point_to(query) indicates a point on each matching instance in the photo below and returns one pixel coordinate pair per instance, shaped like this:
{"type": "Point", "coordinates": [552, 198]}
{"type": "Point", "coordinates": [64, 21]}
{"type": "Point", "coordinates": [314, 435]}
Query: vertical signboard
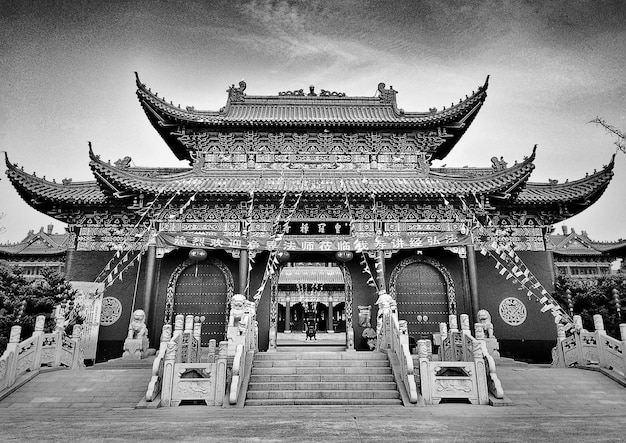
{"type": "Point", "coordinates": [89, 296]}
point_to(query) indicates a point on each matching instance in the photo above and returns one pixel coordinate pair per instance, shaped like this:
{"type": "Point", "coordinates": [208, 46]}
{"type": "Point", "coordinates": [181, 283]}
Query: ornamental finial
{"type": "Point", "coordinates": [236, 94]}
{"type": "Point", "coordinates": [387, 95]}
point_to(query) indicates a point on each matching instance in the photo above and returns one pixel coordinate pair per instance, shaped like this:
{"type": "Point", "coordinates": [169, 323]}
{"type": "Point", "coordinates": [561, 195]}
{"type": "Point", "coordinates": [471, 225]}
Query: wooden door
{"type": "Point", "coordinates": [422, 298]}
{"type": "Point", "coordinates": [201, 290]}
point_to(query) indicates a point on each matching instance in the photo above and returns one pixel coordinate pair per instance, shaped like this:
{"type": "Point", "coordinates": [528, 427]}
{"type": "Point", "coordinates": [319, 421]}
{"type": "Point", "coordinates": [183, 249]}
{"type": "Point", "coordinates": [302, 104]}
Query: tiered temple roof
{"type": "Point", "coordinates": [407, 176]}
{"type": "Point", "coordinates": [300, 110]}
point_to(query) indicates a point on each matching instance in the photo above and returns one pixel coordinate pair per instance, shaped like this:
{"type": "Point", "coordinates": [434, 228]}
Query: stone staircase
{"type": "Point", "coordinates": [111, 385]}
{"type": "Point", "coordinates": [321, 377]}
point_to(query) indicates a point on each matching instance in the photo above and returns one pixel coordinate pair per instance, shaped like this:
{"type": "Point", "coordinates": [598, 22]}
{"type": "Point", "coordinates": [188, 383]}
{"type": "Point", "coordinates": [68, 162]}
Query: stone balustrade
{"type": "Point", "coordinates": [54, 349]}
{"type": "Point", "coordinates": [583, 347]}
{"type": "Point", "coordinates": [243, 342]}
{"type": "Point", "coordinates": [393, 337]}
{"type": "Point", "coordinates": [180, 374]}
{"type": "Point", "coordinates": [465, 369]}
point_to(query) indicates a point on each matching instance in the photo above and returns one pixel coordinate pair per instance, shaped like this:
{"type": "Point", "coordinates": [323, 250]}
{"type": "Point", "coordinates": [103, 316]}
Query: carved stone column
{"type": "Point", "coordinates": [148, 297]}
{"type": "Point", "coordinates": [473, 281]}
{"type": "Point", "coordinates": [380, 270]}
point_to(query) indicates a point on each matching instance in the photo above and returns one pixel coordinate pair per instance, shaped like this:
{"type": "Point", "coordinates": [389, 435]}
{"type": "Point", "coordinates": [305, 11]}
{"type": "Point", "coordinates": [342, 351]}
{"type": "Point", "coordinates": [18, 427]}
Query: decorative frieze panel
{"type": "Point", "coordinates": [523, 238]}
{"type": "Point", "coordinates": [110, 238]}
{"type": "Point", "coordinates": [316, 150]}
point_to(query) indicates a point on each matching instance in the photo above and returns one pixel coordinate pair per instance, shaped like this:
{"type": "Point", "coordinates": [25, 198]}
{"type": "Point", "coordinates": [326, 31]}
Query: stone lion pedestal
{"type": "Point", "coordinates": [136, 344]}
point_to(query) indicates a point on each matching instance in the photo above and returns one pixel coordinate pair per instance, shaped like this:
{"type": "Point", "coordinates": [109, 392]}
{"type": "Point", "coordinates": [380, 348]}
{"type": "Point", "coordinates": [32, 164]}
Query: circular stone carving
{"type": "Point", "coordinates": [111, 311]}
{"type": "Point", "coordinates": [512, 311]}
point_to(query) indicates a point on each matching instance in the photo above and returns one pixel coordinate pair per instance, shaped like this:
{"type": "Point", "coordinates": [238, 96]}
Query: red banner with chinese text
{"type": "Point", "coordinates": [343, 243]}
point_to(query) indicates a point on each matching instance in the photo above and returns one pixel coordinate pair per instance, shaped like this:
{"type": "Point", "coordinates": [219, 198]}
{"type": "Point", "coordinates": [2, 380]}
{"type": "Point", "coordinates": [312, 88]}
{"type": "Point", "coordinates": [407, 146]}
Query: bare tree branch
{"type": "Point", "coordinates": [613, 131]}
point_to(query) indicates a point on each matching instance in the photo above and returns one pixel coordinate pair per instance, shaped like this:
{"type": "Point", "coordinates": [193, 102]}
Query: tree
{"type": "Point", "coordinates": [620, 137]}
{"type": "Point", "coordinates": [596, 296]}
{"type": "Point", "coordinates": [21, 300]}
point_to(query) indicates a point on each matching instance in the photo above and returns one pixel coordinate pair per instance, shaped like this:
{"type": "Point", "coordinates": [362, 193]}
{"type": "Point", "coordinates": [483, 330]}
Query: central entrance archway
{"type": "Point", "coordinates": [201, 289]}
{"type": "Point", "coordinates": [425, 295]}
{"type": "Point", "coordinates": [311, 302]}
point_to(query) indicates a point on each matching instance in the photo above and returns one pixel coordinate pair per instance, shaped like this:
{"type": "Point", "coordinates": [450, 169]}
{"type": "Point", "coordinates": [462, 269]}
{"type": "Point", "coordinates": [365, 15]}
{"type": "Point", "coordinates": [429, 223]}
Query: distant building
{"type": "Point", "coordinates": [577, 256]}
{"type": "Point", "coordinates": [38, 251]}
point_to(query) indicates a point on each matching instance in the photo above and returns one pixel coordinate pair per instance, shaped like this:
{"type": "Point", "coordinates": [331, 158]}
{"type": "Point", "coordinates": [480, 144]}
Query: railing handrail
{"type": "Point", "coordinates": [240, 360]}
{"type": "Point", "coordinates": [399, 345]}
{"type": "Point", "coordinates": [26, 355]}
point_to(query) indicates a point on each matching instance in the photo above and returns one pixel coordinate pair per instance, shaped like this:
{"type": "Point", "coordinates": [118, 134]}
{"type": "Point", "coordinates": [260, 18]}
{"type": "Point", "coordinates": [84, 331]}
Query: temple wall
{"type": "Point", "coordinates": [165, 268]}
{"type": "Point", "coordinates": [534, 338]}
{"type": "Point", "coordinates": [85, 266]}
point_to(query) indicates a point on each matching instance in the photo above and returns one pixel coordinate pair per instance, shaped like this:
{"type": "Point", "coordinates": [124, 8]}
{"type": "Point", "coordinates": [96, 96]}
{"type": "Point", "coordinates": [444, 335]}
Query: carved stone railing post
{"type": "Point", "coordinates": [188, 324]}
{"type": "Point", "coordinates": [39, 324]}
{"type": "Point", "coordinates": [452, 321]}
{"type": "Point", "coordinates": [77, 358]}
{"type": "Point", "coordinates": [600, 333]}
{"type": "Point", "coordinates": [168, 372]}
{"type": "Point", "coordinates": [59, 319]}
{"type": "Point", "coordinates": [11, 352]}
{"type": "Point", "coordinates": [598, 324]}
{"type": "Point", "coordinates": [211, 358]}
{"type": "Point", "coordinates": [422, 356]}
{"type": "Point", "coordinates": [220, 379]}
{"type": "Point", "coordinates": [197, 327]}
{"type": "Point", "coordinates": [465, 324]}
{"type": "Point", "coordinates": [481, 373]}
{"type": "Point", "coordinates": [179, 324]}
{"type": "Point", "coordinates": [578, 329]}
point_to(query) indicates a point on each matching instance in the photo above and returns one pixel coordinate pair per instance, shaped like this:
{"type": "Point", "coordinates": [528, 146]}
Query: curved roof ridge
{"type": "Point", "coordinates": [606, 169]}
{"type": "Point", "coordinates": [584, 191]}
{"type": "Point", "coordinates": [254, 105]}
{"type": "Point", "coordinates": [29, 186]}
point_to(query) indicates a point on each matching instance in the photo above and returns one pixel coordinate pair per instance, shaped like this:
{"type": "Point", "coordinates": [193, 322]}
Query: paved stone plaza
{"type": "Point", "coordinates": [545, 405]}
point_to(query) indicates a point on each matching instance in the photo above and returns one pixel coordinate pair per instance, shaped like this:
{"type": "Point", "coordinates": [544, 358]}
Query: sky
{"type": "Point", "coordinates": [66, 70]}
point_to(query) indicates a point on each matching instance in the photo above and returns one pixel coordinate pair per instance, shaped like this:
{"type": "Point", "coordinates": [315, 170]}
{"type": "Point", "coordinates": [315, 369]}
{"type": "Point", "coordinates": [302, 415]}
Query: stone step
{"type": "Point", "coordinates": [324, 402]}
{"type": "Point", "coordinates": [322, 394]}
{"type": "Point", "coordinates": [319, 386]}
{"type": "Point", "coordinates": [310, 348]}
{"type": "Point", "coordinates": [317, 370]}
{"type": "Point", "coordinates": [320, 356]}
{"type": "Point", "coordinates": [331, 378]}
{"type": "Point", "coordinates": [319, 363]}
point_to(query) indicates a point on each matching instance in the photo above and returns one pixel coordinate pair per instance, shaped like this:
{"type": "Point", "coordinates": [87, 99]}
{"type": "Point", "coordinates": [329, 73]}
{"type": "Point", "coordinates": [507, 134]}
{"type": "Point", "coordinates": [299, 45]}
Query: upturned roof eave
{"type": "Point", "coordinates": [165, 116]}
{"type": "Point", "coordinates": [119, 179]}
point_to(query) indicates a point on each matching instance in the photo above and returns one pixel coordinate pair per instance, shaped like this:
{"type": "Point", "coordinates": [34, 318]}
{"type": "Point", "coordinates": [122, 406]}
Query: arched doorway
{"type": "Point", "coordinates": [425, 295]}
{"type": "Point", "coordinates": [306, 294]}
{"type": "Point", "coordinates": [202, 289]}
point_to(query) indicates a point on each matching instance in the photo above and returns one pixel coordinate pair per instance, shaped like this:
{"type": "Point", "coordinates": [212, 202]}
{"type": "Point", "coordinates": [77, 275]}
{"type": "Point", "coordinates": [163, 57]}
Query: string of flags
{"type": "Point", "coordinates": [512, 268]}
{"type": "Point", "coordinates": [371, 280]}
{"type": "Point", "coordinates": [133, 254]}
{"type": "Point", "coordinates": [272, 260]}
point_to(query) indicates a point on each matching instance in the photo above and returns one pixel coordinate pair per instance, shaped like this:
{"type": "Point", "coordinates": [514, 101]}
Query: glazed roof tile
{"type": "Point", "coordinates": [31, 188]}
{"type": "Point", "coordinates": [40, 243]}
{"type": "Point", "coordinates": [433, 184]}
{"type": "Point", "coordinates": [583, 190]}
{"type": "Point", "coordinates": [289, 110]}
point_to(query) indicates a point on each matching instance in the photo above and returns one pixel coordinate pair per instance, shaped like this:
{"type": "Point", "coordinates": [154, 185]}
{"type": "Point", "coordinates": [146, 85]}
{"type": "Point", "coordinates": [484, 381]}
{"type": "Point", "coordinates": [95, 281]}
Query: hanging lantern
{"type": "Point", "coordinates": [197, 255]}
{"type": "Point", "coordinates": [344, 256]}
{"type": "Point", "coordinates": [283, 256]}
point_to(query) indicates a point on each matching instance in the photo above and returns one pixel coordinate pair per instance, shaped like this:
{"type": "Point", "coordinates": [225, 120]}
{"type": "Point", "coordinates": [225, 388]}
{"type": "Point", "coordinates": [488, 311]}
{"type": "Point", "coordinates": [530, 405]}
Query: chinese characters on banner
{"type": "Point", "coordinates": [331, 243]}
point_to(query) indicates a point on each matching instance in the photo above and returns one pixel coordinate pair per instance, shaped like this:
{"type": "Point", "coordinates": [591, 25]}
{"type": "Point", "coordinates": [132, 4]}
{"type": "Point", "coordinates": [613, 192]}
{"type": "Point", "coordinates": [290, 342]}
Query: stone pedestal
{"type": "Point", "coordinates": [135, 348]}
